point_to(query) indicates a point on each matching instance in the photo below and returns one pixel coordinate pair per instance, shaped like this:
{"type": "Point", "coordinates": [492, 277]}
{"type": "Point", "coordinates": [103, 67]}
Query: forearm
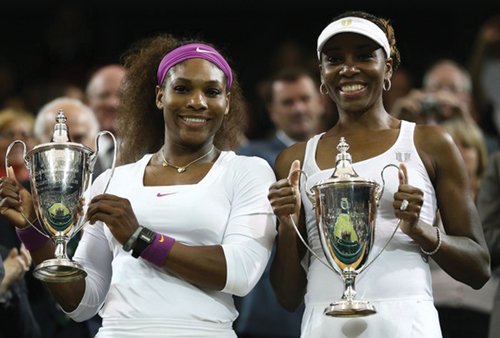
{"type": "Point", "coordinates": [461, 257]}
{"type": "Point", "coordinates": [204, 266]}
{"type": "Point", "coordinates": [288, 277]}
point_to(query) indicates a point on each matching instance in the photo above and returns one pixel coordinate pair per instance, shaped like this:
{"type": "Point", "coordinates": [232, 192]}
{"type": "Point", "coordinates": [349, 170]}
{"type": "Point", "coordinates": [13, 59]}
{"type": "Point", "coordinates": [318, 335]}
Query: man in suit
{"type": "Point", "coordinates": [488, 206]}
{"type": "Point", "coordinates": [295, 107]}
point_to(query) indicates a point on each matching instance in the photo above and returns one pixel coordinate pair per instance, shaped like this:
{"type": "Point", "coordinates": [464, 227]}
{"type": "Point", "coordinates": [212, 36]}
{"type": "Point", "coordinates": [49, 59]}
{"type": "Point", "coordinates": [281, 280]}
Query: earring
{"type": "Point", "coordinates": [388, 86]}
{"type": "Point", "coordinates": [321, 86]}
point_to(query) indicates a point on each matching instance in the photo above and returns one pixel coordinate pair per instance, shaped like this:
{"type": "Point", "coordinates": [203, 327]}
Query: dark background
{"type": "Point", "coordinates": [43, 43]}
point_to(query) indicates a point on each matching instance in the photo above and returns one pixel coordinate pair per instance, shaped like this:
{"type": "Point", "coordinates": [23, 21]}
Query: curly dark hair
{"type": "Point", "coordinates": [385, 25]}
{"type": "Point", "coordinates": [141, 123]}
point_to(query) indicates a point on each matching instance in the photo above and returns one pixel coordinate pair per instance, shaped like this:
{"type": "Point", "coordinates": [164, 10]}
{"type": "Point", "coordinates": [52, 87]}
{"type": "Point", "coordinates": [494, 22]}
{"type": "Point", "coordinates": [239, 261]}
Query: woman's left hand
{"type": "Point", "coordinates": [408, 201]}
{"type": "Point", "coordinates": [116, 212]}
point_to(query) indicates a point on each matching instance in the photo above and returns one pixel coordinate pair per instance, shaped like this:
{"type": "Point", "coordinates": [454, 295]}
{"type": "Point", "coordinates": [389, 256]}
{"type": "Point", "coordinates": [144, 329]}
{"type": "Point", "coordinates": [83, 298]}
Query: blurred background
{"type": "Point", "coordinates": [46, 46]}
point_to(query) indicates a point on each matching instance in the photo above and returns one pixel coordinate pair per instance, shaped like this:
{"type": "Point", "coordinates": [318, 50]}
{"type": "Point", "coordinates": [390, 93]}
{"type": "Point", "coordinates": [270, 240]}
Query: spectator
{"type": "Point", "coordinates": [103, 97]}
{"type": "Point", "coordinates": [16, 316]}
{"type": "Point", "coordinates": [446, 92]}
{"type": "Point", "coordinates": [295, 107]}
{"type": "Point", "coordinates": [15, 124]}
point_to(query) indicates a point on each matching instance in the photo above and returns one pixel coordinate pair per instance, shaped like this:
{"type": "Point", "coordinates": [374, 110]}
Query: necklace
{"type": "Point", "coordinates": [183, 168]}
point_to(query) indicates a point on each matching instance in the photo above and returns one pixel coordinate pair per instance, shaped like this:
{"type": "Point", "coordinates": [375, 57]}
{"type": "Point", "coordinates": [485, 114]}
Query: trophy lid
{"type": "Point", "coordinates": [61, 132]}
{"type": "Point", "coordinates": [343, 168]}
{"type": "Point", "coordinates": [60, 138]}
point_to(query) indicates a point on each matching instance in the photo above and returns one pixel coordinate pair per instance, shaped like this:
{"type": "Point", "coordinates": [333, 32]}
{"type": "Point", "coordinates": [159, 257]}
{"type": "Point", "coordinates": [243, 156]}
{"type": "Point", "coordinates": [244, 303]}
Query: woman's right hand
{"type": "Point", "coordinates": [15, 200]}
{"type": "Point", "coordinates": [284, 195]}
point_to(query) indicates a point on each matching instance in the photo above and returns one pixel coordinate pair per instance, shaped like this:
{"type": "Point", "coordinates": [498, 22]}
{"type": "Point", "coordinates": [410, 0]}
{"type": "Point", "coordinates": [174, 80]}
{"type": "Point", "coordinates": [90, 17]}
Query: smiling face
{"type": "Point", "coordinates": [194, 101]}
{"type": "Point", "coordinates": [353, 68]}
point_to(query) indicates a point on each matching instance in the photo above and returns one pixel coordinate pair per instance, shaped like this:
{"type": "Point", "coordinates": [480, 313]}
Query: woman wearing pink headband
{"type": "Point", "coordinates": [185, 223]}
{"type": "Point", "coordinates": [357, 55]}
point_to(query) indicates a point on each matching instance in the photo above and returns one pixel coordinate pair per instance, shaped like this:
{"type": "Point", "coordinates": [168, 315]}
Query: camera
{"type": "Point", "coordinates": [429, 106]}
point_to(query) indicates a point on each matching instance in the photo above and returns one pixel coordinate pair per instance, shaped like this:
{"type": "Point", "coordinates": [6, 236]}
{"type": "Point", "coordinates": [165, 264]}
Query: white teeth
{"type": "Point", "coordinates": [194, 120]}
{"type": "Point", "coordinates": [352, 88]}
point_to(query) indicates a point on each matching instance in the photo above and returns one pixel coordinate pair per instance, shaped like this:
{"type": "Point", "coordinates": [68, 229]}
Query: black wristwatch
{"type": "Point", "coordinates": [145, 238]}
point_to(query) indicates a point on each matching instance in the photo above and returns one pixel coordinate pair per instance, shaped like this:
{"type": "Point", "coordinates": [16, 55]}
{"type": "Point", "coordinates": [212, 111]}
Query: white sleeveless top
{"type": "Point", "coordinates": [400, 277]}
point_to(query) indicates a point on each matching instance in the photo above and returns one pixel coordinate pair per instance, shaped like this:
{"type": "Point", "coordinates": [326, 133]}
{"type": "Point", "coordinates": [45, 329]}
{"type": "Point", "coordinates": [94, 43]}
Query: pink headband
{"type": "Point", "coordinates": [193, 51]}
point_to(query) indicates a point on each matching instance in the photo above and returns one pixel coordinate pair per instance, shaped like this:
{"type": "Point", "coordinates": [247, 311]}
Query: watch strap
{"type": "Point", "coordinates": [145, 238]}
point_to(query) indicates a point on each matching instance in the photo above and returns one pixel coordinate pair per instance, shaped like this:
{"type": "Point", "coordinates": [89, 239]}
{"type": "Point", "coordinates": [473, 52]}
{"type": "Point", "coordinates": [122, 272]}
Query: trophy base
{"type": "Point", "coordinates": [353, 308]}
{"type": "Point", "coordinates": [59, 270]}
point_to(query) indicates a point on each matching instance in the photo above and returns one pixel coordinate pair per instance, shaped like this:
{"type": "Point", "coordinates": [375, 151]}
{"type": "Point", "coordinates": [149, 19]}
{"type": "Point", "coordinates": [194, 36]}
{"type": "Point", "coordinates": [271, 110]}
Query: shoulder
{"type": "Point", "coordinates": [437, 149]}
{"type": "Point", "coordinates": [245, 164]}
{"type": "Point", "coordinates": [242, 173]}
{"type": "Point", "coordinates": [432, 134]}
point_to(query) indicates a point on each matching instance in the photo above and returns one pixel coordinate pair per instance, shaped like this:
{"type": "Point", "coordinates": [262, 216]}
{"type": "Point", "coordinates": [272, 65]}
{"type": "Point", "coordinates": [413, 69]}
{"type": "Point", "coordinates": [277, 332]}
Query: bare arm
{"type": "Point", "coordinates": [463, 253]}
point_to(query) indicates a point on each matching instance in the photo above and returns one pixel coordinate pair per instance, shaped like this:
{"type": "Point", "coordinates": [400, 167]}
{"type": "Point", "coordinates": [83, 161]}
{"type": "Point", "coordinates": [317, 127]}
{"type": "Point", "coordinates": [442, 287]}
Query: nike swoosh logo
{"type": "Point", "coordinates": [163, 195]}
{"type": "Point", "coordinates": [198, 49]}
{"type": "Point", "coordinates": [161, 239]}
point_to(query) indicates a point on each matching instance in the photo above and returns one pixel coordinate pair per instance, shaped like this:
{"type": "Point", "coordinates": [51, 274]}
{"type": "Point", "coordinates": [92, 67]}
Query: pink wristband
{"type": "Point", "coordinates": [158, 251]}
{"type": "Point", "coordinates": [32, 239]}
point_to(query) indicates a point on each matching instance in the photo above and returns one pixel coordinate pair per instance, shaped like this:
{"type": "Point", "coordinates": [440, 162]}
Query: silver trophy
{"type": "Point", "coordinates": [60, 173]}
{"type": "Point", "coordinates": [346, 210]}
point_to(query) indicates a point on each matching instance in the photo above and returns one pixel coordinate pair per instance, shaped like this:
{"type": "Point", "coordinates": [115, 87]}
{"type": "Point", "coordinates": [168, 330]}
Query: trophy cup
{"type": "Point", "coordinates": [60, 173]}
{"type": "Point", "coordinates": [346, 209]}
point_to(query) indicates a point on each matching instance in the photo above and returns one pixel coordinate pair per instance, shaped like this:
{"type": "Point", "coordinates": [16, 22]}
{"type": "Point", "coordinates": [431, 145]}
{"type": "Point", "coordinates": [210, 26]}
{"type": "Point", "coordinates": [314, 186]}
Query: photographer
{"type": "Point", "coordinates": [446, 93]}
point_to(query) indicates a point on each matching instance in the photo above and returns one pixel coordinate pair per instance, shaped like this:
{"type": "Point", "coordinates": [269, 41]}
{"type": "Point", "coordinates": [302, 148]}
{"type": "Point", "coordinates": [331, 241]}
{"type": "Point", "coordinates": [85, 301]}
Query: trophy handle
{"type": "Point", "coordinates": [381, 191]}
{"type": "Point", "coordinates": [311, 197]}
{"type": "Point", "coordinates": [27, 164]}
{"type": "Point", "coordinates": [379, 195]}
{"type": "Point", "coordinates": [93, 158]}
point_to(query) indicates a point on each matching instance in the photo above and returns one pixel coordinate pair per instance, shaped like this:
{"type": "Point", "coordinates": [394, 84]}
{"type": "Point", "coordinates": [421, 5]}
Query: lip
{"type": "Point", "coordinates": [355, 92]}
{"type": "Point", "coordinates": [195, 121]}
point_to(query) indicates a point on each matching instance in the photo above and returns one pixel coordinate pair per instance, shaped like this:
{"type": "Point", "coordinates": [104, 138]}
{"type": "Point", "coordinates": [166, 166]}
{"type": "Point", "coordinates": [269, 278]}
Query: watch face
{"type": "Point", "coordinates": [147, 237]}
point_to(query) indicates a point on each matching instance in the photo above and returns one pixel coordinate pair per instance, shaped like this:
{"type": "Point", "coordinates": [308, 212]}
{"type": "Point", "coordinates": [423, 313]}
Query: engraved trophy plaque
{"type": "Point", "coordinates": [346, 209]}
{"type": "Point", "coordinates": [60, 173]}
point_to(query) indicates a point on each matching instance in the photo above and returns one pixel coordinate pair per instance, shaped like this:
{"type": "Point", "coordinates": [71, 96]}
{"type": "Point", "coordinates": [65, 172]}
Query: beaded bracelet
{"type": "Point", "coordinates": [158, 251]}
{"type": "Point", "coordinates": [31, 238]}
{"type": "Point", "coordinates": [437, 247]}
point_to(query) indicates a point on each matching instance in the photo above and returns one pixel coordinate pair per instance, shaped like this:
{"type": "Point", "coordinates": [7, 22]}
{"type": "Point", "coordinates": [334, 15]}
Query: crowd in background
{"type": "Point", "coordinates": [461, 95]}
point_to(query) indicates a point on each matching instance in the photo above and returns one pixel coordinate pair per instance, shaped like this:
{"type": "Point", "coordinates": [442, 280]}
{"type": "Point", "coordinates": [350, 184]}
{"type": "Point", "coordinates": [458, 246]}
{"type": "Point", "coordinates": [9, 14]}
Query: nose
{"type": "Point", "coordinates": [299, 106]}
{"type": "Point", "coordinates": [197, 101]}
{"type": "Point", "coordinates": [348, 69]}
{"type": "Point", "coordinates": [114, 101]}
